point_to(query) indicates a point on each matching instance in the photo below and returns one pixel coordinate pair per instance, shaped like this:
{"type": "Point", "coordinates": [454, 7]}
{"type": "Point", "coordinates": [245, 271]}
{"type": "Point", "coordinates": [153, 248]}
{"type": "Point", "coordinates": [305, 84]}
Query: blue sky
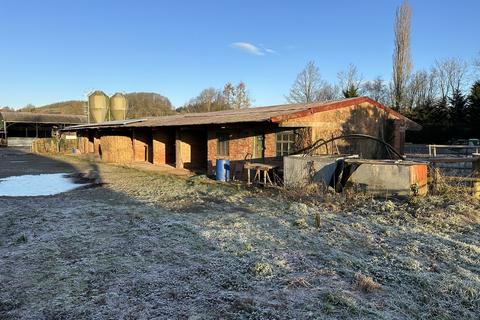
{"type": "Point", "coordinates": [59, 50]}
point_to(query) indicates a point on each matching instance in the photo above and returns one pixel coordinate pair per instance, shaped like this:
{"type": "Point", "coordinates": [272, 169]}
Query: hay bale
{"type": "Point", "coordinates": [83, 144]}
{"type": "Point", "coordinates": [117, 149]}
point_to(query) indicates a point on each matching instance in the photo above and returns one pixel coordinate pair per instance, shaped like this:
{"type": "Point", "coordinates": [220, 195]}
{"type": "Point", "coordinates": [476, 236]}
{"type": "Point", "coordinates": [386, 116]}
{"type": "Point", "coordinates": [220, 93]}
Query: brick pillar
{"type": "Point", "coordinates": [160, 140]}
{"type": "Point", "coordinates": [178, 150]}
{"type": "Point", "coordinates": [399, 136]}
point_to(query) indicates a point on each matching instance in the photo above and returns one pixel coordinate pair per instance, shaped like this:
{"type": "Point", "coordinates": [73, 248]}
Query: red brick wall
{"type": "Point", "coordinates": [241, 146]}
{"type": "Point", "coordinates": [398, 136]}
{"type": "Point", "coordinates": [194, 149]}
{"type": "Point", "coordinates": [363, 118]}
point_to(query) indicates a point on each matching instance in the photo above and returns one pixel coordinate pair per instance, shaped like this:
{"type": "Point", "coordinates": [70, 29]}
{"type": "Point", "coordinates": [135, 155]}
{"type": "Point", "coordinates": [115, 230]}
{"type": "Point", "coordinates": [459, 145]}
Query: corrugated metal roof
{"type": "Point", "coordinates": [30, 117]}
{"type": "Point", "coordinates": [108, 123]}
{"type": "Point", "coordinates": [276, 113]}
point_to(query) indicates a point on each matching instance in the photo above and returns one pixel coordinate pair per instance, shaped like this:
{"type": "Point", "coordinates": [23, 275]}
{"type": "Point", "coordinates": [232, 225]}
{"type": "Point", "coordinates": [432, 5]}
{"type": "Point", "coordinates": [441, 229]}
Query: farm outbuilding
{"type": "Point", "coordinates": [19, 128]}
{"type": "Point", "coordinates": [262, 134]}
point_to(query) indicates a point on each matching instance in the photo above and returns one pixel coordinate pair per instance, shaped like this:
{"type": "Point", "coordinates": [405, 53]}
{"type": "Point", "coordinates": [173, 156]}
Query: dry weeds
{"type": "Point", "coordinates": [365, 283]}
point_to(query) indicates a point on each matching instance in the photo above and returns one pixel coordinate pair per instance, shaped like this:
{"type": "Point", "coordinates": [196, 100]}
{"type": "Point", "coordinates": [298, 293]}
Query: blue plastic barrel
{"type": "Point", "coordinates": [222, 170]}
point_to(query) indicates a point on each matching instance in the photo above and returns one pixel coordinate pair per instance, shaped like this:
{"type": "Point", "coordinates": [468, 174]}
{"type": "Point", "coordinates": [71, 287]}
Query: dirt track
{"type": "Point", "coordinates": [147, 245]}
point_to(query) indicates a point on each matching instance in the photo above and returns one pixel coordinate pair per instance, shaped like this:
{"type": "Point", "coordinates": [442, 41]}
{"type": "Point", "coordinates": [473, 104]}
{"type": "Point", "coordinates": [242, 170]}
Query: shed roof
{"type": "Point", "coordinates": [276, 114]}
{"type": "Point", "coordinates": [30, 117]}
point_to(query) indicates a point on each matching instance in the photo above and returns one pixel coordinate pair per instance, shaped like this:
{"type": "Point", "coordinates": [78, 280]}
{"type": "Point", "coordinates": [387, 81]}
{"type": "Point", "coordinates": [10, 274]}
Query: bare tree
{"type": "Point", "coordinates": [476, 63]}
{"type": "Point", "coordinates": [417, 89]}
{"type": "Point", "coordinates": [350, 81]}
{"type": "Point", "coordinates": [209, 99]}
{"type": "Point", "coordinates": [237, 96]}
{"type": "Point", "coordinates": [450, 75]}
{"type": "Point", "coordinates": [376, 89]}
{"type": "Point", "coordinates": [306, 86]}
{"type": "Point", "coordinates": [402, 61]}
{"type": "Point", "coordinates": [327, 92]}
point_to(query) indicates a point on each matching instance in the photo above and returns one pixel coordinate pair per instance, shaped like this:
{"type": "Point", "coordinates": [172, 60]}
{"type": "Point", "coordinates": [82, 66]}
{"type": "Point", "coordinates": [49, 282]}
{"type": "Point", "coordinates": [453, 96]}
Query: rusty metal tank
{"type": "Point", "coordinates": [118, 106]}
{"type": "Point", "coordinates": [98, 103]}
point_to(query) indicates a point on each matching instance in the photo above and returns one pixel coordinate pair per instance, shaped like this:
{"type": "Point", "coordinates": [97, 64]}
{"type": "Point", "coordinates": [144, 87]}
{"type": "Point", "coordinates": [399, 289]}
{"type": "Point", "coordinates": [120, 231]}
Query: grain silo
{"type": "Point", "coordinates": [118, 106]}
{"type": "Point", "coordinates": [98, 103]}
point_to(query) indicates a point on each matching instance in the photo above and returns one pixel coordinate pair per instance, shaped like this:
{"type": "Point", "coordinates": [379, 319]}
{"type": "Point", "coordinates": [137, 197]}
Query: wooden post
{"type": "Point", "coordinates": [476, 175]}
{"type": "Point", "coordinates": [178, 150]}
{"type": "Point", "coordinates": [133, 144]}
{"type": "Point", "coordinates": [436, 180]}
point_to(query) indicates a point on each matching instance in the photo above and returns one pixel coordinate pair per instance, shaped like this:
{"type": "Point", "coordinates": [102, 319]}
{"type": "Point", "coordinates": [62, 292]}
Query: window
{"type": "Point", "coordinates": [259, 146]}
{"type": "Point", "coordinates": [285, 143]}
{"type": "Point", "coordinates": [223, 148]}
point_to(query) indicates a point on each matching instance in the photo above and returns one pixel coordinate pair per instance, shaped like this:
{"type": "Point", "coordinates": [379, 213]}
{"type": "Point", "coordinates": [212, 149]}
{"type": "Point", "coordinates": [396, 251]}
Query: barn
{"type": "Point", "coordinates": [19, 128]}
{"type": "Point", "coordinates": [263, 134]}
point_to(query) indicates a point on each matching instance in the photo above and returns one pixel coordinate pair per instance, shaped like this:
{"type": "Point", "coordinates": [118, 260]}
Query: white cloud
{"type": "Point", "coordinates": [250, 48]}
{"type": "Point", "coordinates": [247, 47]}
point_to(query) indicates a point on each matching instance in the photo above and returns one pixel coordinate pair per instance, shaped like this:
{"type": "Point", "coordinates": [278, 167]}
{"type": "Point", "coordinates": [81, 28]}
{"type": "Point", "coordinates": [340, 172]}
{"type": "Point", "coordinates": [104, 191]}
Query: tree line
{"type": "Point", "coordinates": [212, 99]}
{"type": "Point", "coordinates": [149, 104]}
{"type": "Point", "coordinates": [444, 98]}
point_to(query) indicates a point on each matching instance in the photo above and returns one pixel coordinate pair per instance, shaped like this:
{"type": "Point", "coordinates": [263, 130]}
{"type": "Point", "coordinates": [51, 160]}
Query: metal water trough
{"type": "Point", "coordinates": [300, 170]}
{"type": "Point", "coordinates": [388, 177]}
{"type": "Point", "coordinates": [393, 177]}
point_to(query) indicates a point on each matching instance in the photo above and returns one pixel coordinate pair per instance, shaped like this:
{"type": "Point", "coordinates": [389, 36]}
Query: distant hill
{"type": "Point", "coordinates": [148, 104]}
{"type": "Point", "coordinates": [141, 104]}
{"type": "Point", "coordinates": [64, 107]}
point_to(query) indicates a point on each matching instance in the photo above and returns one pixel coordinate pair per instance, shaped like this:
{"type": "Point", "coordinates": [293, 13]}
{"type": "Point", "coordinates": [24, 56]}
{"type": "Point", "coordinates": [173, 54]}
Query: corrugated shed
{"type": "Point", "coordinates": [30, 117]}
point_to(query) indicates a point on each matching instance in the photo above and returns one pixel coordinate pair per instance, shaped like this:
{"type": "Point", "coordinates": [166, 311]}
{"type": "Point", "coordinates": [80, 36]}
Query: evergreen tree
{"type": "Point", "coordinates": [473, 111]}
{"type": "Point", "coordinates": [351, 91]}
{"type": "Point", "coordinates": [440, 114]}
{"type": "Point", "coordinates": [458, 107]}
{"type": "Point", "coordinates": [424, 112]}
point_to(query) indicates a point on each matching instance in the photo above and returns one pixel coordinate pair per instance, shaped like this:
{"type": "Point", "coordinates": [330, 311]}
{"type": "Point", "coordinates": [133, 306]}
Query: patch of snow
{"type": "Point", "coordinates": [36, 185]}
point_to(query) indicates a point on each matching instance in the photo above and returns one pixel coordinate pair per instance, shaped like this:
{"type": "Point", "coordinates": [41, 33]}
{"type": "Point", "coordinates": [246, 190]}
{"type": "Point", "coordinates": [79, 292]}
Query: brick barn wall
{"type": "Point", "coordinates": [241, 146]}
{"type": "Point", "coordinates": [194, 148]}
{"type": "Point", "coordinates": [363, 118]}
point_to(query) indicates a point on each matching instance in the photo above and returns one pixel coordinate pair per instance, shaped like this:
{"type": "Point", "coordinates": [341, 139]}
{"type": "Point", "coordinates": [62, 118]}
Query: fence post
{"type": "Point", "coordinates": [476, 176]}
{"type": "Point", "coordinates": [436, 179]}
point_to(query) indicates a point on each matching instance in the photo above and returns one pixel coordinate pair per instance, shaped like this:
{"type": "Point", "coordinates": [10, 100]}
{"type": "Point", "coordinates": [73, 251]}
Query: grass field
{"type": "Point", "coordinates": [146, 245]}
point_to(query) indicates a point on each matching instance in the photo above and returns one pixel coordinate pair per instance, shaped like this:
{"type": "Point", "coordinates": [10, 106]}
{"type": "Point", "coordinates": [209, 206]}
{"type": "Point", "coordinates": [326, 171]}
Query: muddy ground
{"type": "Point", "coordinates": [147, 245]}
